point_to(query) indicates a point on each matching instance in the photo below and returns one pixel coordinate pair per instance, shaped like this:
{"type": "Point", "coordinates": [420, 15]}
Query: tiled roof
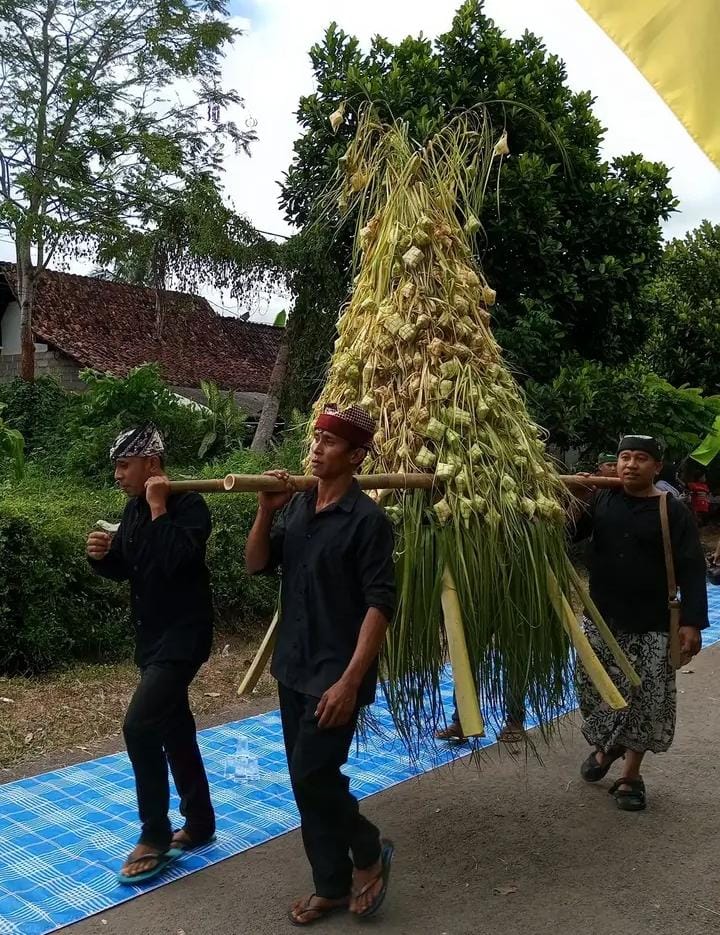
{"type": "Point", "coordinates": [110, 327]}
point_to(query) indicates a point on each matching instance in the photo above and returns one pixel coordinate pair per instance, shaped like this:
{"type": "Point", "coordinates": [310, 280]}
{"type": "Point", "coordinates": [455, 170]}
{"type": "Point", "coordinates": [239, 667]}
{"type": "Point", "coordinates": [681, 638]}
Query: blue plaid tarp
{"type": "Point", "coordinates": [64, 834]}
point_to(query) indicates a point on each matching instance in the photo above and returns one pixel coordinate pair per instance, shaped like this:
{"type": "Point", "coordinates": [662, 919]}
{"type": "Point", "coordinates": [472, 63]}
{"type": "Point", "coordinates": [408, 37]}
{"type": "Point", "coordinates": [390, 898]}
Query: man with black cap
{"type": "Point", "coordinates": [606, 465]}
{"type": "Point", "coordinates": [159, 548]}
{"type": "Point", "coordinates": [335, 546]}
{"type": "Point", "coordinates": [630, 584]}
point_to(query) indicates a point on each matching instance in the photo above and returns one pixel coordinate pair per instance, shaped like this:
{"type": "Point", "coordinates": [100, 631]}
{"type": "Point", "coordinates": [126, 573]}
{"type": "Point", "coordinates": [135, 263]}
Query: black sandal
{"type": "Point", "coordinates": [632, 799]}
{"type": "Point", "coordinates": [591, 771]}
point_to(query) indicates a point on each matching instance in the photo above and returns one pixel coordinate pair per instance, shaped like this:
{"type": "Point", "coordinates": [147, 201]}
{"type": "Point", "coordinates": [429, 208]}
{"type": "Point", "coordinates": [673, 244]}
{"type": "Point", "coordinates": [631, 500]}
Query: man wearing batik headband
{"type": "Point", "coordinates": [160, 549]}
{"type": "Point", "coordinates": [335, 546]}
{"type": "Point", "coordinates": [629, 584]}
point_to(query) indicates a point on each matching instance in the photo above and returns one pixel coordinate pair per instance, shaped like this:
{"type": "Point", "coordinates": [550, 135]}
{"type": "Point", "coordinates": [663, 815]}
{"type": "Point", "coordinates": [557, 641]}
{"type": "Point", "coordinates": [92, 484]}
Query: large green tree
{"type": "Point", "coordinates": [105, 108]}
{"type": "Point", "coordinates": [573, 239]}
{"type": "Point", "coordinates": [685, 296]}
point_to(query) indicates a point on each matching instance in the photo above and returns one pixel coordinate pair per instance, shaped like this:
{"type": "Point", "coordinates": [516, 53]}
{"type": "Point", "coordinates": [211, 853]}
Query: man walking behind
{"type": "Point", "coordinates": [160, 549]}
{"type": "Point", "coordinates": [335, 546]}
{"type": "Point", "coordinates": [629, 584]}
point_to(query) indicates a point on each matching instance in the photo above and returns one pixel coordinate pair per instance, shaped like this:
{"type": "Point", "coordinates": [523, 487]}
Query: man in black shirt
{"type": "Point", "coordinates": [628, 582]}
{"type": "Point", "coordinates": [335, 546]}
{"type": "Point", "coordinates": [160, 549]}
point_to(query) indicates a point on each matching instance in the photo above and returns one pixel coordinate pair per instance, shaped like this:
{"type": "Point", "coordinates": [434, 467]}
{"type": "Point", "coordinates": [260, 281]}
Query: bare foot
{"type": "Point", "coordinates": [186, 842]}
{"type": "Point", "coordinates": [309, 909]}
{"type": "Point", "coordinates": [366, 886]}
{"type": "Point", "coordinates": [133, 866]}
{"type": "Point", "coordinates": [181, 839]}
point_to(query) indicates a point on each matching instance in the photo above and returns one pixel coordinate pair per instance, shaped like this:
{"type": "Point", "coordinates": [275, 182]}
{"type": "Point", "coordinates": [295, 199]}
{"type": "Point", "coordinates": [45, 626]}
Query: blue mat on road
{"type": "Point", "coordinates": [64, 834]}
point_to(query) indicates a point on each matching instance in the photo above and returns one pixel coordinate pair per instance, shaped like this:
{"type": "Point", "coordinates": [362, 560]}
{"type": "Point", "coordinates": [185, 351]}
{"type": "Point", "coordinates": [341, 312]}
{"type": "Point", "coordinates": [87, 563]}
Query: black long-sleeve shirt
{"type": "Point", "coordinates": [164, 561]}
{"type": "Point", "coordinates": [336, 564]}
{"type": "Point", "coordinates": [626, 558]}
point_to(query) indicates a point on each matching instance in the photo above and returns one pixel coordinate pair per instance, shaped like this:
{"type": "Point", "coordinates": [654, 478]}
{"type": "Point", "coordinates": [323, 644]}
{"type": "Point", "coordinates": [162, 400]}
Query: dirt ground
{"type": "Point", "coordinates": [515, 849]}
{"type": "Point", "coordinates": [77, 714]}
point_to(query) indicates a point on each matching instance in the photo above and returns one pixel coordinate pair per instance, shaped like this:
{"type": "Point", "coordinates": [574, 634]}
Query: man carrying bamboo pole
{"type": "Point", "coordinates": [335, 546]}
{"type": "Point", "coordinates": [160, 549]}
{"type": "Point", "coordinates": [631, 583]}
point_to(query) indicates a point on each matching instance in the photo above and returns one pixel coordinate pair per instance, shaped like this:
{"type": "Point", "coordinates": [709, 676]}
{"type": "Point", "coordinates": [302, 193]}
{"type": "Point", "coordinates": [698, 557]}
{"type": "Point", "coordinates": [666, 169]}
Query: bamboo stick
{"type": "Point", "coordinates": [257, 666]}
{"type": "Point", "coordinates": [603, 629]}
{"type": "Point", "coordinates": [466, 693]}
{"type": "Point", "coordinates": [604, 685]}
{"type": "Point", "coordinates": [214, 485]}
{"type": "Point", "coordinates": [264, 482]}
{"type": "Point", "coordinates": [255, 483]}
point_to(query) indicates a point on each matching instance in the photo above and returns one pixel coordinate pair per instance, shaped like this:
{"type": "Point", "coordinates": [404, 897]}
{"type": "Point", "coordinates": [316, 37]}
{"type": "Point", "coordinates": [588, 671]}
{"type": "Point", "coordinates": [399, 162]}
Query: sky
{"type": "Point", "coordinates": [270, 67]}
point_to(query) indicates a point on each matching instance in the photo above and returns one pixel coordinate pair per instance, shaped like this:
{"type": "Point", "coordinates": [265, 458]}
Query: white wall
{"type": "Point", "coordinates": [10, 331]}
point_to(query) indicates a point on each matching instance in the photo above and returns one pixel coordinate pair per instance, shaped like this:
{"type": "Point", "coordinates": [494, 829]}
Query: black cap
{"type": "Point", "coordinates": [642, 443]}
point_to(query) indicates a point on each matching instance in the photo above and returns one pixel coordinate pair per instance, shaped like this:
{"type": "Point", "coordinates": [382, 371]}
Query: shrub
{"type": "Point", "coordinates": [54, 610]}
{"type": "Point", "coordinates": [111, 404]}
{"type": "Point", "coordinates": [37, 410]}
{"type": "Point", "coordinates": [588, 406]}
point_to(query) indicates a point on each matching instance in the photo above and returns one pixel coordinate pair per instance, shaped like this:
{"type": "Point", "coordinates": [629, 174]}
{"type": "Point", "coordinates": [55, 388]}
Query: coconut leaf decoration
{"type": "Point", "coordinates": [415, 348]}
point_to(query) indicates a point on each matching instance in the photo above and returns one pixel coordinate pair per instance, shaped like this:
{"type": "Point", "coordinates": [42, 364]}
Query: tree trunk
{"type": "Point", "coordinates": [27, 275]}
{"type": "Point", "coordinates": [268, 417]}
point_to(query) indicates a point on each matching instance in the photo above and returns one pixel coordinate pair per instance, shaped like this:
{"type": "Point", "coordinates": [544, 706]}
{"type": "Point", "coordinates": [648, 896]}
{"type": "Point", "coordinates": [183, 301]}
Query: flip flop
{"type": "Point", "coordinates": [388, 851]}
{"type": "Point", "coordinates": [321, 913]}
{"type": "Point", "coordinates": [192, 843]}
{"type": "Point", "coordinates": [163, 858]}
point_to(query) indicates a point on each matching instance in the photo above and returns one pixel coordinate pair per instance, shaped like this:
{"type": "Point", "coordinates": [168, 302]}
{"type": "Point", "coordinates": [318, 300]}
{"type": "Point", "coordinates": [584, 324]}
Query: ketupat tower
{"type": "Point", "coordinates": [415, 348]}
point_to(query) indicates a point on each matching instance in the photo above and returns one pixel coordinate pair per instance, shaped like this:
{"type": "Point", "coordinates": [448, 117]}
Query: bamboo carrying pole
{"type": "Point", "coordinates": [257, 483]}
{"type": "Point", "coordinates": [466, 694]}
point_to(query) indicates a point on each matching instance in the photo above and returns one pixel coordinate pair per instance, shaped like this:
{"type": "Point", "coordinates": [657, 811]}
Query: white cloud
{"type": "Point", "coordinates": [270, 68]}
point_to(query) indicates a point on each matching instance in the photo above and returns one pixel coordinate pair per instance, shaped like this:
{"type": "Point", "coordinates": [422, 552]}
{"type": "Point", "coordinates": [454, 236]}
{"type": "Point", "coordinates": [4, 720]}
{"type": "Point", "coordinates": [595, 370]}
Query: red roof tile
{"type": "Point", "coordinates": [110, 327]}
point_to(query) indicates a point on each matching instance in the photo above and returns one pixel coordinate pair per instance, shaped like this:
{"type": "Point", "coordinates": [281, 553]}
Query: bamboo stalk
{"type": "Point", "coordinates": [466, 692]}
{"type": "Point", "coordinates": [603, 629]}
{"type": "Point", "coordinates": [255, 483]}
{"type": "Point", "coordinates": [257, 666]}
{"type": "Point", "coordinates": [263, 482]}
{"type": "Point", "coordinates": [604, 685]}
{"type": "Point", "coordinates": [214, 485]}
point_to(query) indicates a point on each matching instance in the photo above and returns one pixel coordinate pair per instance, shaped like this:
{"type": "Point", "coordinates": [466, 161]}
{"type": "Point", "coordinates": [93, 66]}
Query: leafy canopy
{"type": "Point", "coordinates": [575, 238]}
{"type": "Point", "coordinates": [685, 296]}
{"type": "Point", "coordinates": [106, 108]}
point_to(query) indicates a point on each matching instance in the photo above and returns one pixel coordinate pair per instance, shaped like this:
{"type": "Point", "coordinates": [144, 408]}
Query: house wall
{"type": "Point", "coordinates": [47, 364]}
{"type": "Point", "coordinates": [10, 331]}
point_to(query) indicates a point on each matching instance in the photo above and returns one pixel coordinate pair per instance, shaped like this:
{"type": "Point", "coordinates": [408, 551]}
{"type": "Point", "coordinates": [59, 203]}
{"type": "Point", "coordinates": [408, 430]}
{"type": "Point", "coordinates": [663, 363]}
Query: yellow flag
{"type": "Point", "coordinates": [676, 45]}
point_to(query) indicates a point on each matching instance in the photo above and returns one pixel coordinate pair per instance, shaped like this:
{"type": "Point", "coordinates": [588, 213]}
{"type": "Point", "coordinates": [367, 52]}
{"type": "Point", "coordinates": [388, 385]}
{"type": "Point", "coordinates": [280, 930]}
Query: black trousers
{"type": "Point", "coordinates": [159, 729]}
{"type": "Point", "coordinates": [332, 826]}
